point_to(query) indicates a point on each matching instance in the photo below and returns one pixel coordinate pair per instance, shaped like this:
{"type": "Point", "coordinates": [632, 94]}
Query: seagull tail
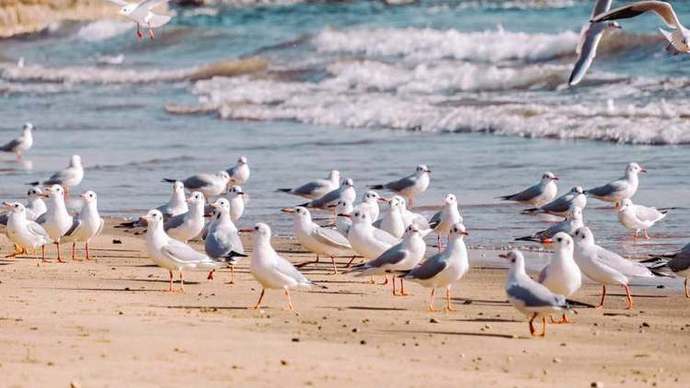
{"type": "Point", "coordinates": [168, 180]}
{"type": "Point", "coordinates": [576, 303]}
{"type": "Point", "coordinates": [35, 183]}
{"type": "Point", "coordinates": [658, 266]}
{"type": "Point", "coordinates": [376, 187]}
{"type": "Point", "coordinates": [283, 190]}
{"type": "Point", "coordinates": [130, 224]}
{"type": "Point", "coordinates": [528, 238]}
{"type": "Point", "coordinates": [531, 210]}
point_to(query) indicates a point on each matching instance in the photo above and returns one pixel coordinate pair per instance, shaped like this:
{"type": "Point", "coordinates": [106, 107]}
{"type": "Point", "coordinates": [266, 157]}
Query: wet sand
{"type": "Point", "coordinates": [108, 323]}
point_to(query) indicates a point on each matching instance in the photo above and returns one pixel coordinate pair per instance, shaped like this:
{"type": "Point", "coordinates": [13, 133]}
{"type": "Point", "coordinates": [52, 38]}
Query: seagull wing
{"type": "Point", "coordinates": [601, 6]}
{"type": "Point", "coordinates": [331, 238]}
{"type": "Point", "coordinates": [9, 147]}
{"type": "Point", "coordinates": [121, 3]}
{"type": "Point", "coordinates": [526, 194]}
{"type": "Point", "coordinates": [661, 8]}
{"type": "Point", "coordinates": [37, 230]}
{"type": "Point", "coordinates": [183, 253]}
{"type": "Point", "coordinates": [148, 4]}
{"type": "Point", "coordinates": [401, 184]}
{"type": "Point", "coordinates": [587, 50]}
{"type": "Point", "coordinates": [429, 268]}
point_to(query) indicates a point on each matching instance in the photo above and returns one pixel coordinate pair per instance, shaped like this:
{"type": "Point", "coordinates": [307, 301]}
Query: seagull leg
{"type": "Point", "coordinates": [17, 251]}
{"type": "Point", "coordinates": [170, 287]}
{"type": "Point", "coordinates": [564, 319]}
{"type": "Point", "coordinates": [335, 268]}
{"type": "Point", "coordinates": [308, 262]}
{"type": "Point", "coordinates": [59, 258]}
{"type": "Point", "coordinates": [151, 35]}
{"type": "Point", "coordinates": [402, 287]}
{"type": "Point", "coordinates": [287, 294]}
{"type": "Point", "coordinates": [531, 325]}
{"type": "Point", "coordinates": [646, 235]}
{"type": "Point", "coordinates": [232, 274]}
{"type": "Point", "coordinates": [261, 297]}
{"type": "Point", "coordinates": [74, 248]}
{"type": "Point", "coordinates": [449, 305]}
{"type": "Point", "coordinates": [87, 256]}
{"type": "Point", "coordinates": [395, 293]}
{"type": "Point", "coordinates": [43, 254]}
{"type": "Point", "coordinates": [431, 301]}
{"type": "Point", "coordinates": [139, 34]}
{"type": "Point", "coordinates": [385, 280]}
{"type": "Point", "coordinates": [685, 284]}
{"type": "Point", "coordinates": [210, 275]}
{"type": "Point", "coordinates": [628, 298]}
{"type": "Point", "coordinates": [603, 296]}
{"type": "Point", "coordinates": [543, 329]}
{"type": "Point", "coordinates": [349, 263]}
{"type": "Point", "coordinates": [181, 282]}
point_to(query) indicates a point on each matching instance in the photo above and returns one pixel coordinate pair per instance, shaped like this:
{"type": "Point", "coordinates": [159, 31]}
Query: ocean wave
{"type": "Point", "coordinates": [103, 29]}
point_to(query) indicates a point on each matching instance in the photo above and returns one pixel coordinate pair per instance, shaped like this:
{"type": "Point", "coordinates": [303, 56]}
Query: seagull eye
{"type": "Point", "coordinates": [560, 239]}
{"type": "Point", "coordinates": [256, 228]}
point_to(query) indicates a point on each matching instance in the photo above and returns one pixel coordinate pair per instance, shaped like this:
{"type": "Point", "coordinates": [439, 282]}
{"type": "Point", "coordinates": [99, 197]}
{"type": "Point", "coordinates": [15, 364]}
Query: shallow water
{"type": "Point", "coordinates": [474, 89]}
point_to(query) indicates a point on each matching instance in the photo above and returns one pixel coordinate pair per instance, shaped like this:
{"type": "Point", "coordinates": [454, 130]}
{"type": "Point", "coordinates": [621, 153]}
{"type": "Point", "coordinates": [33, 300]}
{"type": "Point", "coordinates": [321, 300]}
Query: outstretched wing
{"type": "Point", "coordinates": [661, 8]}
{"type": "Point", "coordinates": [587, 50]}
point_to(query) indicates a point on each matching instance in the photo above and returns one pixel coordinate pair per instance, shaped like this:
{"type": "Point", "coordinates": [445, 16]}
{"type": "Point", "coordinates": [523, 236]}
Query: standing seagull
{"type": "Point", "coordinates": [345, 192]}
{"type": "Point", "coordinates": [142, 14]}
{"type": "Point", "coordinates": [444, 220]}
{"type": "Point", "coordinates": [572, 222]}
{"type": "Point", "coordinates": [67, 177]}
{"type": "Point", "coordinates": [562, 275]}
{"type": "Point", "coordinates": [177, 203]}
{"type": "Point", "coordinates": [56, 220]}
{"type": "Point", "coordinates": [639, 218]}
{"type": "Point", "coordinates": [317, 188]}
{"type": "Point", "coordinates": [411, 185]}
{"type": "Point", "coordinates": [364, 238]}
{"type": "Point", "coordinates": [543, 192]}
{"type": "Point", "coordinates": [171, 254]}
{"type": "Point", "coordinates": [186, 226]}
{"type": "Point", "coordinates": [222, 240]}
{"type": "Point", "coordinates": [34, 208]}
{"type": "Point", "coordinates": [593, 261]}
{"type": "Point", "coordinates": [620, 189]}
{"type": "Point", "coordinates": [444, 268]}
{"type": "Point", "coordinates": [529, 297]}
{"type": "Point", "coordinates": [678, 262]}
{"type": "Point", "coordinates": [270, 269]}
{"type": "Point", "coordinates": [211, 185]}
{"type": "Point", "coordinates": [392, 220]}
{"type": "Point", "coordinates": [25, 234]}
{"type": "Point", "coordinates": [401, 257]}
{"type": "Point", "coordinates": [22, 143]}
{"type": "Point", "coordinates": [590, 36]}
{"type": "Point", "coordinates": [239, 173]}
{"type": "Point", "coordinates": [237, 201]}
{"type": "Point", "coordinates": [370, 203]}
{"type": "Point", "coordinates": [87, 225]}
{"type": "Point", "coordinates": [677, 39]}
{"type": "Point", "coordinates": [560, 206]}
{"type": "Point", "coordinates": [317, 239]}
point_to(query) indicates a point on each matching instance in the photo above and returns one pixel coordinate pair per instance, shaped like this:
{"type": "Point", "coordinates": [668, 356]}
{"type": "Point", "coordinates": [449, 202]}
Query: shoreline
{"type": "Point", "coordinates": [87, 322]}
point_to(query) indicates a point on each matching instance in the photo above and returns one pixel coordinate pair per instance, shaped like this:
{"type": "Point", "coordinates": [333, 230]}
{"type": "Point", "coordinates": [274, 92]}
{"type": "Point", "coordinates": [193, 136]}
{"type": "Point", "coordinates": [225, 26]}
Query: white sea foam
{"type": "Point", "coordinates": [88, 74]}
{"type": "Point", "coordinates": [103, 29]}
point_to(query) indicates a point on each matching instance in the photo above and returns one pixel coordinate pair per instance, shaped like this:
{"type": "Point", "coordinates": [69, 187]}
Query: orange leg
{"type": "Point", "coordinates": [335, 268]}
{"type": "Point", "coordinates": [532, 330]}
{"type": "Point", "coordinates": [385, 281]}
{"type": "Point", "coordinates": [139, 34]}
{"type": "Point", "coordinates": [395, 293]}
{"type": "Point", "coordinates": [86, 250]}
{"type": "Point", "coordinates": [431, 300]}
{"type": "Point", "coordinates": [170, 286]}
{"type": "Point", "coordinates": [603, 296]}
{"type": "Point", "coordinates": [449, 303]}
{"type": "Point", "coordinates": [181, 282]}
{"type": "Point", "coordinates": [261, 297]}
{"type": "Point", "coordinates": [43, 254]}
{"type": "Point", "coordinates": [564, 319]}
{"type": "Point", "coordinates": [687, 293]}
{"type": "Point", "coordinates": [349, 263]}
{"type": "Point", "coordinates": [74, 248]}
{"type": "Point", "coordinates": [287, 294]}
{"type": "Point", "coordinates": [151, 34]}
{"type": "Point", "coordinates": [59, 258]}
{"type": "Point", "coordinates": [402, 287]}
{"type": "Point", "coordinates": [210, 275]}
{"type": "Point", "coordinates": [543, 330]}
{"type": "Point", "coordinates": [232, 274]}
{"type": "Point", "coordinates": [628, 297]}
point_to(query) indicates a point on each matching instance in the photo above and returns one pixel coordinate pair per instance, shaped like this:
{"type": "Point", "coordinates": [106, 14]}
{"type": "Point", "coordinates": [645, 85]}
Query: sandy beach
{"type": "Point", "coordinates": [108, 323]}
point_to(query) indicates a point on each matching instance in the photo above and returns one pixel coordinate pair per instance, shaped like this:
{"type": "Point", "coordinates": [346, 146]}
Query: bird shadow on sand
{"type": "Point", "coordinates": [486, 320]}
{"type": "Point", "coordinates": [166, 281]}
{"type": "Point", "coordinates": [458, 333]}
{"type": "Point", "coordinates": [203, 308]}
{"type": "Point", "coordinates": [336, 292]}
{"type": "Point", "coordinates": [481, 302]}
{"type": "Point", "coordinates": [373, 308]}
{"type": "Point", "coordinates": [124, 289]}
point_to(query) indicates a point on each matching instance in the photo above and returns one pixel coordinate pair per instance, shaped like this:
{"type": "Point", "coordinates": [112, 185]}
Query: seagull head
{"type": "Point", "coordinates": [343, 207]}
{"type": "Point", "coordinates": [625, 205]}
{"type": "Point", "coordinates": [574, 213]}
{"type": "Point", "coordinates": [348, 183]}
{"type": "Point", "coordinates": [153, 217]}
{"type": "Point", "coordinates": [242, 160]}
{"type": "Point", "coordinates": [583, 235]}
{"type": "Point", "coordinates": [261, 230]}
{"type": "Point", "coordinates": [34, 192]}
{"type": "Point", "coordinates": [178, 187]}
{"type": "Point", "coordinates": [28, 127]}
{"type": "Point", "coordinates": [54, 191]}
{"type": "Point", "coordinates": [89, 196]}
{"type": "Point", "coordinates": [235, 191]}
{"type": "Point", "coordinates": [577, 190]}
{"type": "Point", "coordinates": [14, 207]}
{"type": "Point", "coordinates": [75, 161]}
{"type": "Point", "coordinates": [563, 240]}
{"type": "Point", "coordinates": [196, 198]}
{"type": "Point", "coordinates": [221, 203]}
{"type": "Point", "coordinates": [634, 168]}
{"type": "Point", "coordinates": [514, 256]}
{"type": "Point", "coordinates": [371, 196]}
{"type": "Point", "coordinates": [423, 169]}
{"type": "Point", "coordinates": [450, 199]}
{"type": "Point", "coordinates": [300, 212]}
{"type": "Point", "coordinates": [459, 230]}
{"type": "Point", "coordinates": [549, 177]}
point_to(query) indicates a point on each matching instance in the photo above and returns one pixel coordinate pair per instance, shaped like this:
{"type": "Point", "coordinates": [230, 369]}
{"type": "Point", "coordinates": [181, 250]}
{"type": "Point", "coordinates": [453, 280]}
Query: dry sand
{"type": "Point", "coordinates": [108, 323]}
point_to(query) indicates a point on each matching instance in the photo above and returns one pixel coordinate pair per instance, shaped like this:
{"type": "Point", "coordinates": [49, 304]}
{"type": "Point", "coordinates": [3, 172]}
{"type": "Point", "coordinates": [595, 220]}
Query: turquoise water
{"type": "Point", "coordinates": [474, 89]}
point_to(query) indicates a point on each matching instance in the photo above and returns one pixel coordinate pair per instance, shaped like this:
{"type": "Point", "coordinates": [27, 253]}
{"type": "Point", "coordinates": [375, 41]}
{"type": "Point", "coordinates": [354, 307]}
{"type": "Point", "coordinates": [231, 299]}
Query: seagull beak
{"type": "Point", "coordinates": [428, 170]}
{"type": "Point", "coordinates": [83, 195]}
{"type": "Point", "coordinates": [246, 230]}
{"type": "Point", "coordinates": [643, 170]}
{"type": "Point", "coordinates": [556, 178]}
{"type": "Point", "coordinates": [383, 199]}
{"type": "Point", "coordinates": [464, 233]}
{"type": "Point", "coordinates": [44, 195]}
{"type": "Point", "coordinates": [344, 215]}
{"type": "Point", "coordinates": [7, 204]}
{"type": "Point", "coordinates": [547, 241]}
{"type": "Point", "coordinates": [287, 210]}
{"type": "Point", "coordinates": [240, 193]}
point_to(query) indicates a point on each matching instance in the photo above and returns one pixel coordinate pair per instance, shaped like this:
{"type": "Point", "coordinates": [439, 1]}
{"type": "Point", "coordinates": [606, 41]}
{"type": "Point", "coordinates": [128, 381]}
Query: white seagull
{"type": "Point", "coordinates": [392, 220]}
{"type": "Point", "coordinates": [187, 226]}
{"type": "Point", "coordinates": [25, 234]}
{"type": "Point", "coordinates": [366, 240]}
{"type": "Point", "coordinates": [590, 36]}
{"type": "Point", "coordinates": [677, 39]}
{"type": "Point", "coordinates": [317, 188]}
{"type": "Point", "coordinates": [620, 189]}
{"type": "Point", "coordinates": [177, 203]}
{"type": "Point", "coordinates": [222, 240]}
{"type": "Point", "coordinates": [240, 172]}
{"type": "Point", "coordinates": [87, 225]}
{"type": "Point", "coordinates": [445, 219]}
{"type": "Point", "coordinates": [638, 218]}
{"type": "Point", "coordinates": [171, 254]}
{"type": "Point", "coordinates": [600, 265]}
{"type": "Point", "coordinates": [411, 185]}
{"type": "Point", "coordinates": [562, 275]}
{"type": "Point", "coordinates": [237, 199]}
{"type": "Point", "coordinates": [444, 268]}
{"type": "Point", "coordinates": [560, 206]}
{"type": "Point", "coordinates": [370, 203]}
{"type": "Point", "coordinates": [573, 221]}
{"type": "Point", "coordinates": [34, 208]}
{"type": "Point", "coordinates": [56, 220]}
{"type": "Point", "coordinates": [403, 256]}
{"type": "Point", "coordinates": [345, 192]}
{"type": "Point", "coordinates": [543, 192]}
{"type": "Point", "coordinates": [270, 269]}
{"type": "Point", "coordinates": [317, 239]}
{"type": "Point", "coordinates": [211, 185]}
{"type": "Point", "coordinates": [142, 14]}
{"type": "Point", "coordinates": [22, 143]}
{"type": "Point", "coordinates": [529, 297]}
{"type": "Point", "coordinates": [67, 177]}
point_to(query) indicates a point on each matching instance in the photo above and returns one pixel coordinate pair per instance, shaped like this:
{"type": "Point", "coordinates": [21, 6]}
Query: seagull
{"type": "Point", "coordinates": [171, 254]}
{"type": "Point", "coordinates": [24, 233]}
{"type": "Point", "coordinates": [590, 36]}
{"type": "Point", "coordinates": [270, 269]}
{"type": "Point", "coordinates": [87, 225]}
{"type": "Point", "coordinates": [34, 208]}
{"type": "Point", "coordinates": [678, 262]}
{"type": "Point", "coordinates": [445, 219]}
{"type": "Point", "coordinates": [317, 239]}
{"type": "Point", "coordinates": [343, 211]}
{"type": "Point", "coordinates": [346, 192]}
{"type": "Point", "coordinates": [543, 192]}
{"type": "Point", "coordinates": [562, 275]}
{"type": "Point", "coordinates": [627, 267]}
{"type": "Point", "coordinates": [529, 297]}
{"type": "Point", "coordinates": [392, 220]}
{"type": "Point", "coordinates": [572, 222]}
{"type": "Point", "coordinates": [411, 185]}
{"type": "Point", "coordinates": [318, 188]}
{"type": "Point", "coordinates": [67, 177]}
{"type": "Point", "coordinates": [186, 226]}
{"type": "Point", "coordinates": [56, 220]}
{"type": "Point", "coordinates": [560, 206]}
{"type": "Point", "coordinates": [444, 268]}
{"type": "Point", "coordinates": [366, 240]}
{"type": "Point", "coordinates": [600, 265]}
{"type": "Point", "coordinates": [411, 217]}
{"type": "Point", "coordinates": [620, 189]}
{"type": "Point", "coordinates": [142, 14]}
{"type": "Point", "coordinates": [222, 240]}
{"type": "Point", "coordinates": [403, 256]}
{"type": "Point", "coordinates": [639, 218]}
{"type": "Point", "coordinates": [239, 173]}
{"type": "Point", "coordinates": [370, 203]}
{"type": "Point", "coordinates": [211, 185]}
{"type": "Point", "coordinates": [237, 199]}
{"type": "Point", "coordinates": [22, 143]}
{"type": "Point", "coordinates": [677, 39]}
{"type": "Point", "coordinates": [177, 203]}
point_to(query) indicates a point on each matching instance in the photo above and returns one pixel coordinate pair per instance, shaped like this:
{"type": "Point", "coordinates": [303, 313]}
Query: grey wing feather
{"type": "Point", "coordinates": [37, 229]}
{"type": "Point", "coordinates": [429, 268]}
{"type": "Point", "coordinates": [9, 147]}
{"type": "Point", "coordinates": [286, 268]}
{"type": "Point", "coordinates": [181, 252]}
{"type": "Point", "coordinates": [331, 237]}
{"type": "Point", "coordinates": [535, 295]}
{"type": "Point", "coordinates": [559, 204]}
{"type": "Point", "coordinates": [435, 219]}
{"type": "Point", "coordinates": [215, 246]}
{"type": "Point", "coordinates": [608, 188]}
{"type": "Point", "coordinates": [393, 255]}
{"type": "Point", "coordinates": [326, 199]}
{"type": "Point", "coordinates": [588, 51]}
{"type": "Point", "coordinates": [307, 188]}
{"type": "Point", "coordinates": [601, 6]}
{"type": "Point", "coordinates": [681, 261]}
{"type": "Point", "coordinates": [42, 218]}
{"type": "Point", "coordinates": [76, 223]}
{"type": "Point", "coordinates": [196, 181]}
{"type": "Point", "coordinates": [543, 273]}
{"type": "Point", "coordinates": [174, 222]}
{"type": "Point", "coordinates": [526, 194]}
{"type": "Point", "coordinates": [400, 184]}
{"type": "Point", "coordinates": [648, 213]}
{"type": "Point", "coordinates": [3, 219]}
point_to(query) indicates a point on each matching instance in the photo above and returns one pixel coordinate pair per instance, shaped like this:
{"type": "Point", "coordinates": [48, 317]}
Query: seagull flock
{"type": "Point", "coordinates": [384, 232]}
